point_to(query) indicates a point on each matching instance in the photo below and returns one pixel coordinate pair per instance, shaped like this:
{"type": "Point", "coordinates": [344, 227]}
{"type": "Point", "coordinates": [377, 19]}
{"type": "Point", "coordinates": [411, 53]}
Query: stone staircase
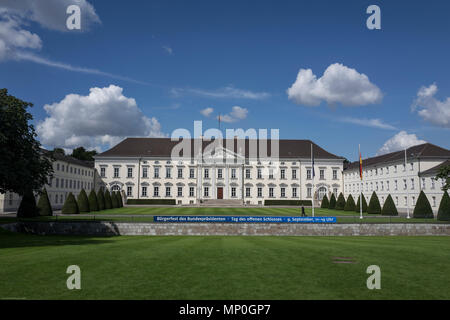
{"type": "Point", "coordinates": [221, 203]}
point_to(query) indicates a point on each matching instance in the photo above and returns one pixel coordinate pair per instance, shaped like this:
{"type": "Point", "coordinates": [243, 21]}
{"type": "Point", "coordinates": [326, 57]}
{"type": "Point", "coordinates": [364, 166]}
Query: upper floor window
{"type": "Point", "coordinates": [233, 173]}
{"type": "Point", "coordinates": [168, 172]}
{"type": "Point", "coordinates": [130, 173]}
{"type": "Point", "coordinates": [322, 174]}
{"type": "Point", "coordinates": [270, 173]}
{"type": "Point", "coordinates": [334, 174]}
{"type": "Point", "coordinates": [144, 172]}
{"type": "Point", "coordinates": [102, 172]}
{"type": "Point", "coordinates": [156, 172]}
{"type": "Point", "coordinates": [259, 173]}
{"type": "Point", "coordinates": [283, 174]}
{"type": "Point", "coordinates": [308, 174]}
{"type": "Point", "coordinates": [191, 173]}
{"type": "Point", "coordinates": [116, 172]}
{"type": "Point", "coordinates": [247, 173]}
{"type": "Point", "coordinates": [294, 174]}
{"type": "Point", "coordinates": [412, 166]}
{"type": "Point", "coordinates": [206, 173]}
{"type": "Point", "coordinates": [180, 172]}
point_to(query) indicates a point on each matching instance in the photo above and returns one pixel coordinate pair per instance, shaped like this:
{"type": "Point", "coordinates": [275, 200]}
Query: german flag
{"type": "Point", "coordinates": [360, 164]}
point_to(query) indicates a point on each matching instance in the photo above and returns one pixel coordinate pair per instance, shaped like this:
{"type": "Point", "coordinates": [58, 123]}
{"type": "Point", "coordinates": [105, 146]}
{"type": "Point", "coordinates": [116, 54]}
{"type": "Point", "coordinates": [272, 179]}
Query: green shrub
{"type": "Point", "coordinates": [340, 203]}
{"type": "Point", "coordinates": [444, 208]}
{"type": "Point", "coordinates": [389, 208]}
{"type": "Point", "coordinates": [423, 208]}
{"type": "Point", "coordinates": [93, 203]}
{"type": "Point", "coordinates": [358, 204]}
{"type": "Point", "coordinates": [152, 201]}
{"type": "Point", "coordinates": [350, 204]}
{"type": "Point", "coordinates": [83, 202]}
{"type": "Point", "coordinates": [325, 202]}
{"type": "Point", "coordinates": [27, 207]}
{"type": "Point", "coordinates": [101, 199]}
{"type": "Point", "coordinates": [374, 204]}
{"type": "Point", "coordinates": [114, 200]}
{"type": "Point", "coordinates": [44, 206]}
{"type": "Point", "coordinates": [288, 203]}
{"type": "Point", "coordinates": [108, 201]}
{"type": "Point", "coordinates": [70, 205]}
{"type": "Point", "coordinates": [332, 202]}
{"type": "Point", "coordinates": [120, 199]}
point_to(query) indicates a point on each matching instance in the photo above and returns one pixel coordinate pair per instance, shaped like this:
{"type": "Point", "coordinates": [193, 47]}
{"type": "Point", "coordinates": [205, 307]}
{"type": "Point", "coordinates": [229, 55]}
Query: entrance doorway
{"type": "Point", "coordinates": [220, 193]}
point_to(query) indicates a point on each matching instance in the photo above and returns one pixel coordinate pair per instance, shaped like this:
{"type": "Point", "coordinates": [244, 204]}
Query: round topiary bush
{"type": "Point", "coordinates": [108, 201]}
{"type": "Point", "coordinates": [93, 203]}
{"type": "Point", "coordinates": [114, 200]}
{"type": "Point", "coordinates": [350, 204]}
{"type": "Point", "coordinates": [340, 203]}
{"type": "Point", "coordinates": [423, 210]}
{"type": "Point", "coordinates": [44, 206]}
{"type": "Point", "coordinates": [374, 204]}
{"type": "Point", "coordinates": [325, 203]}
{"type": "Point", "coordinates": [83, 202]}
{"type": "Point", "coordinates": [358, 204]}
{"type": "Point", "coordinates": [70, 205]}
{"type": "Point", "coordinates": [332, 202]}
{"type": "Point", "coordinates": [27, 207]}
{"type": "Point", "coordinates": [101, 199]}
{"type": "Point", "coordinates": [389, 208]}
{"type": "Point", "coordinates": [444, 208]}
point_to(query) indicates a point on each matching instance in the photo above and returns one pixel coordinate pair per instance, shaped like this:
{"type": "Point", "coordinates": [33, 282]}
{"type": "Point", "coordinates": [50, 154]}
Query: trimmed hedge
{"type": "Point", "coordinates": [332, 202]}
{"type": "Point", "coordinates": [358, 204]}
{"type": "Point", "coordinates": [288, 203]}
{"type": "Point", "coordinates": [350, 204]}
{"type": "Point", "coordinates": [108, 201]}
{"type": "Point", "coordinates": [114, 200]}
{"type": "Point", "coordinates": [444, 208]}
{"type": "Point", "coordinates": [120, 199]}
{"type": "Point", "coordinates": [325, 202]}
{"type": "Point", "coordinates": [44, 206]}
{"type": "Point", "coordinates": [389, 208]}
{"type": "Point", "coordinates": [93, 203]}
{"type": "Point", "coordinates": [101, 199]}
{"type": "Point", "coordinates": [70, 205]}
{"type": "Point", "coordinates": [83, 202]}
{"type": "Point", "coordinates": [27, 207]}
{"type": "Point", "coordinates": [374, 204]}
{"type": "Point", "coordinates": [152, 201]}
{"type": "Point", "coordinates": [340, 203]}
{"type": "Point", "coordinates": [423, 209]}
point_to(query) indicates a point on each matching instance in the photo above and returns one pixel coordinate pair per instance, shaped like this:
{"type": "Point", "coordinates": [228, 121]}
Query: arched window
{"type": "Point", "coordinates": [115, 187]}
{"type": "Point", "coordinates": [322, 192]}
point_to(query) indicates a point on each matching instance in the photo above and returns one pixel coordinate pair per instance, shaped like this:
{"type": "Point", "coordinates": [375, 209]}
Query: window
{"type": "Point", "coordinates": [283, 174]}
{"type": "Point", "coordinates": [191, 173]}
{"type": "Point", "coordinates": [167, 191]}
{"type": "Point", "coordinates": [180, 173]}
{"type": "Point", "coordinates": [57, 183]}
{"type": "Point", "coordinates": [247, 192]}
{"type": "Point", "coordinates": [130, 173]}
{"type": "Point", "coordinates": [168, 172]}
{"type": "Point", "coordinates": [247, 173]}
{"type": "Point", "coordinates": [156, 191]}
{"type": "Point", "coordinates": [191, 191]}
{"type": "Point", "coordinates": [414, 201]}
{"type": "Point", "coordinates": [116, 172]}
{"type": "Point", "coordinates": [129, 191]}
{"type": "Point", "coordinates": [405, 186]}
{"type": "Point", "coordinates": [404, 167]}
{"type": "Point", "coordinates": [144, 191]}
{"type": "Point", "coordinates": [432, 183]}
{"type": "Point", "coordinates": [144, 172]}
{"type": "Point", "coordinates": [180, 191]}
{"type": "Point", "coordinates": [294, 192]}
{"type": "Point", "coordinates": [396, 201]}
{"type": "Point", "coordinates": [271, 192]}
{"type": "Point", "coordinates": [259, 173]}
{"type": "Point", "coordinates": [206, 191]}
{"type": "Point", "coordinates": [423, 183]}
{"type": "Point", "coordinates": [322, 174]}
{"type": "Point", "coordinates": [381, 171]}
{"type": "Point", "coordinates": [259, 192]}
{"type": "Point", "coordinates": [382, 185]}
{"type": "Point", "coordinates": [283, 192]}
{"type": "Point", "coordinates": [395, 169]}
{"type": "Point", "coordinates": [102, 172]}
{"type": "Point", "coordinates": [406, 201]}
{"type": "Point", "coordinates": [156, 173]}
{"type": "Point", "coordinates": [62, 167]}
{"type": "Point", "coordinates": [219, 173]}
{"type": "Point", "coordinates": [334, 174]}
{"type": "Point", "coordinates": [308, 192]}
{"type": "Point", "coordinates": [233, 192]}
{"type": "Point", "coordinates": [294, 174]}
{"type": "Point", "coordinates": [233, 173]}
{"type": "Point", "coordinates": [334, 191]}
{"type": "Point", "coordinates": [206, 176]}
{"type": "Point", "coordinates": [412, 184]}
{"type": "Point", "coordinates": [434, 201]}
{"type": "Point", "coordinates": [387, 185]}
{"type": "Point", "coordinates": [270, 173]}
{"type": "Point", "coordinates": [70, 184]}
{"type": "Point", "coordinates": [308, 174]}
{"type": "Point", "coordinates": [387, 170]}
{"type": "Point", "coordinates": [71, 170]}
{"type": "Point", "coordinates": [395, 185]}
{"type": "Point", "coordinates": [376, 185]}
{"type": "Point", "coordinates": [412, 166]}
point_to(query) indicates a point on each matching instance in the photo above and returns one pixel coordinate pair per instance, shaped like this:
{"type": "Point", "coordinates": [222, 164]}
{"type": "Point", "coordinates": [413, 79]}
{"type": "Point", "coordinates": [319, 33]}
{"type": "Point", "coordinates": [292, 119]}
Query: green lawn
{"type": "Point", "coordinates": [125, 267]}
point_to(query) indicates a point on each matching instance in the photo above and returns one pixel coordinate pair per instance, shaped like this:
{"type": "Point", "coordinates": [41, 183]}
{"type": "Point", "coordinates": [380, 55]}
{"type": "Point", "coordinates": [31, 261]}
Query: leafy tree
{"type": "Point", "coordinates": [83, 202]}
{"type": "Point", "coordinates": [93, 203]}
{"type": "Point", "coordinates": [350, 204]}
{"type": "Point", "coordinates": [27, 207]}
{"type": "Point", "coordinates": [374, 204]}
{"type": "Point", "coordinates": [70, 205]}
{"type": "Point", "coordinates": [325, 202]}
{"type": "Point", "coordinates": [444, 208]}
{"type": "Point", "coordinates": [364, 204]}
{"type": "Point", "coordinates": [23, 168]}
{"type": "Point", "coordinates": [389, 208]}
{"type": "Point", "coordinates": [82, 154]}
{"type": "Point", "coordinates": [114, 200]}
{"type": "Point", "coordinates": [108, 201]}
{"type": "Point", "coordinates": [423, 207]}
{"type": "Point", "coordinates": [444, 174]}
{"type": "Point", "coordinates": [44, 206]}
{"type": "Point", "coordinates": [101, 199]}
{"type": "Point", "coordinates": [332, 202]}
{"type": "Point", "coordinates": [59, 151]}
{"type": "Point", "coordinates": [340, 203]}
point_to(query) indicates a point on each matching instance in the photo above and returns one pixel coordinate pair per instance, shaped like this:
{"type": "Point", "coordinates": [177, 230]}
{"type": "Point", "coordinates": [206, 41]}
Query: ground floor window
{"type": "Point", "coordinates": [308, 192]}
{"type": "Point", "coordinates": [129, 191]}
{"type": "Point", "coordinates": [322, 192]}
{"type": "Point", "coordinates": [206, 191]}
{"type": "Point", "coordinates": [233, 192]}
{"type": "Point", "coordinates": [167, 191]}
{"type": "Point", "coordinates": [180, 191]}
{"type": "Point", "coordinates": [191, 191]}
{"type": "Point", "coordinates": [156, 191]}
{"type": "Point", "coordinates": [144, 191]}
{"type": "Point", "coordinates": [294, 192]}
{"type": "Point", "coordinates": [259, 192]}
{"type": "Point", "coordinates": [247, 192]}
{"type": "Point", "coordinates": [283, 192]}
{"type": "Point", "coordinates": [270, 192]}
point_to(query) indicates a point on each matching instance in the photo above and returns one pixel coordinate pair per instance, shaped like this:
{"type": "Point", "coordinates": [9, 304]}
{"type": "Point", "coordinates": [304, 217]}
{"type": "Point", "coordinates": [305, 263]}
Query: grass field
{"type": "Point", "coordinates": [34, 267]}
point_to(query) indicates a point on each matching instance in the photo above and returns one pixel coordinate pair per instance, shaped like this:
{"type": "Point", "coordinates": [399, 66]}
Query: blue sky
{"type": "Point", "coordinates": [177, 58]}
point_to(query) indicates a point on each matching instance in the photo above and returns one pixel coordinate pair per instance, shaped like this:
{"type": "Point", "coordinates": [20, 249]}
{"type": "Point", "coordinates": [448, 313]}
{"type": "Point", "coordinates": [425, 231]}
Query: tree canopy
{"type": "Point", "coordinates": [444, 173]}
{"type": "Point", "coordinates": [81, 153]}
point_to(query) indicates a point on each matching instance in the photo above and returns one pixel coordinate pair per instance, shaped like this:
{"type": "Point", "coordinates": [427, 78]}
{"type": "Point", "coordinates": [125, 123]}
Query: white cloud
{"type": "Point", "coordinates": [226, 92]}
{"type": "Point", "coordinates": [168, 49]}
{"type": "Point", "coordinates": [237, 113]}
{"type": "Point", "coordinates": [373, 123]}
{"type": "Point", "coordinates": [207, 112]}
{"type": "Point", "coordinates": [400, 141]}
{"type": "Point", "coordinates": [431, 109]}
{"type": "Point", "coordinates": [339, 84]}
{"type": "Point", "coordinates": [104, 117]}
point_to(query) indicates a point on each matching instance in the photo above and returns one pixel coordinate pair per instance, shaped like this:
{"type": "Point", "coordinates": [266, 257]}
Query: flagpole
{"type": "Point", "coordinates": [407, 192]}
{"type": "Point", "coordinates": [312, 172]}
{"type": "Point", "coordinates": [360, 183]}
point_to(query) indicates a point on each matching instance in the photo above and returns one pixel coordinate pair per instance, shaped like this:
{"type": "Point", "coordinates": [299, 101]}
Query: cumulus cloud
{"type": "Point", "coordinates": [373, 123]}
{"type": "Point", "coordinates": [104, 117]}
{"type": "Point", "coordinates": [431, 109]}
{"type": "Point", "coordinates": [400, 141]}
{"type": "Point", "coordinates": [225, 93]}
{"type": "Point", "coordinates": [338, 84]}
{"type": "Point", "coordinates": [237, 113]}
{"type": "Point", "coordinates": [207, 112]}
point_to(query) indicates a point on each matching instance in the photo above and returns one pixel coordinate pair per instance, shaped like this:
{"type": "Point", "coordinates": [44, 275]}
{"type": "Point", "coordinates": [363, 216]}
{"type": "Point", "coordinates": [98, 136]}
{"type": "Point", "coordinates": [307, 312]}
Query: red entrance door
{"type": "Point", "coordinates": [219, 193]}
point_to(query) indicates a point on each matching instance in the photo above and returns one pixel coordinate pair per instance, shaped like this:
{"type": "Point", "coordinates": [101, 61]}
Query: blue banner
{"type": "Point", "coordinates": [244, 219]}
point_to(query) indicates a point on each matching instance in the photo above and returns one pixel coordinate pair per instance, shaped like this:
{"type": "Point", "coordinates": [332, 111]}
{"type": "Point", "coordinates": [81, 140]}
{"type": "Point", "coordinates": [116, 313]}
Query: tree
{"type": "Point", "coordinates": [374, 204]}
{"type": "Point", "coordinates": [23, 166]}
{"type": "Point", "coordinates": [350, 204]}
{"type": "Point", "coordinates": [340, 203]}
{"type": "Point", "coordinates": [332, 202]}
{"type": "Point", "coordinates": [423, 207]}
{"type": "Point", "coordinates": [114, 200]}
{"type": "Point", "coordinates": [70, 205]}
{"type": "Point", "coordinates": [325, 202]}
{"type": "Point", "coordinates": [364, 204]}
{"type": "Point", "coordinates": [59, 151]}
{"type": "Point", "coordinates": [81, 153]}
{"type": "Point", "coordinates": [44, 206]}
{"type": "Point", "coordinates": [119, 194]}
{"type": "Point", "coordinates": [27, 207]}
{"type": "Point", "coordinates": [93, 203]}
{"type": "Point", "coordinates": [108, 201]}
{"type": "Point", "coordinates": [389, 208]}
{"type": "Point", "coordinates": [444, 174]}
{"type": "Point", "coordinates": [101, 199]}
{"type": "Point", "coordinates": [444, 208]}
{"type": "Point", "coordinates": [83, 202]}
